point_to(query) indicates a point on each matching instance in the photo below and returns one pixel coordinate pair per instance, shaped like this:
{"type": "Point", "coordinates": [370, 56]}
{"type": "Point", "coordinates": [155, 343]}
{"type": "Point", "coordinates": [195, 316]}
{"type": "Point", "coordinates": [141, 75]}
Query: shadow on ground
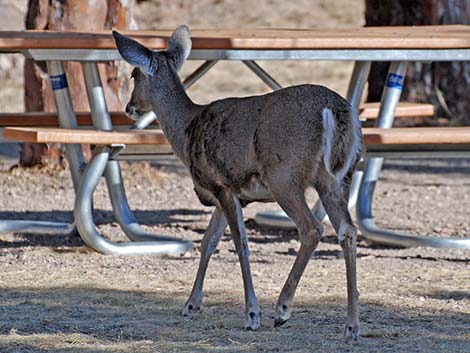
{"type": "Point", "coordinates": [80, 319]}
{"type": "Point", "coordinates": [183, 218]}
{"type": "Point", "coordinates": [144, 217]}
{"type": "Point", "coordinates": [434, 166]}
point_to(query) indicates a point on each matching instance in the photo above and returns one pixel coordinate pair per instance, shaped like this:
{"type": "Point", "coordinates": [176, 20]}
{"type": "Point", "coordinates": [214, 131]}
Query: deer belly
{"type": "Point", "coordinates": [255, 190]}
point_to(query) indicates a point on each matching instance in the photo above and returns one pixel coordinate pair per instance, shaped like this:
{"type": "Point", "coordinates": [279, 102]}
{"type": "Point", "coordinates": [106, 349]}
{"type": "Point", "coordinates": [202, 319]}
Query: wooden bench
{"type": "Point", "coordinates": [434, 140]}
{"type": "Point", "coordinates": [367, 111]}
{"type": "Point", "coordinates": [370, 111]}
{"type": "Point", "coordinates": [147, 144]}
{"type": "Point", "coordinates": [30, 119]}
{"type": "Point", "coordinates": [420, 142]}
{"type": "Point", "coordinates": [84, 120]}
{"type": "Point", "coordinates": [142, 242]}
{"type": "Point", "coordinates": [93, 137]}
{"type": "Point", "coordinates": [374, 138]}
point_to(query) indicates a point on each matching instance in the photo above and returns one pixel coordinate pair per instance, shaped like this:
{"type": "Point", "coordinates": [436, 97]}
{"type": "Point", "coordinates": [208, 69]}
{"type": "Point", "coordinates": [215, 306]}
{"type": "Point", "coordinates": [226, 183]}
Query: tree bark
{"type": "Point", "coordinates": [445, 84]}
{"type": "Point", "coordinates": [61, 15]}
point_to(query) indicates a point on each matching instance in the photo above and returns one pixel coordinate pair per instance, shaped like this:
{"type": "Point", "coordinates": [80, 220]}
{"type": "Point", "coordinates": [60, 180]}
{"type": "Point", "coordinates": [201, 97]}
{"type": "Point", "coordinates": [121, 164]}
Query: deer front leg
{"type": "Point", "coordinates": [209, 243]}
{"type": "Point", "coordinates": [233, 213]}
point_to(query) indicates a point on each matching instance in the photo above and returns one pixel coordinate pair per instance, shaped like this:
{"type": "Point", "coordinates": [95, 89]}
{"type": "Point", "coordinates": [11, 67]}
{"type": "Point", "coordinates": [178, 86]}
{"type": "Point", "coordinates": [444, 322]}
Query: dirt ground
{"type": "Point", "coordinates": [58, 296]}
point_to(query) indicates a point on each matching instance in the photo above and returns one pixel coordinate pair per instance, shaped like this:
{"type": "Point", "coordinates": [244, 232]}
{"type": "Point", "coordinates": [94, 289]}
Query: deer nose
{"type": "Point", "coordinates": [130, 109]}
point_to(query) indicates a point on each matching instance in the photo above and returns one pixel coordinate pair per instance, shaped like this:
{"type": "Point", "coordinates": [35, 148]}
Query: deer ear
{"type": "Point", "coordinates": [135, 53]}
{"type": "Point", "coordinates": [179, 46]}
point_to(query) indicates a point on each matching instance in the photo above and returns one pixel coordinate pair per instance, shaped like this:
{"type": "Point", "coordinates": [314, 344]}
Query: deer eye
{"type": "Point", "coordinates": [134, 73]}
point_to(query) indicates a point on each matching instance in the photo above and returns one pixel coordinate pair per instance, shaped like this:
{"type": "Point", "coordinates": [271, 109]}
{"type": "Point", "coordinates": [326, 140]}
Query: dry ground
{"type": "Point", "coordinates": [57, 296]}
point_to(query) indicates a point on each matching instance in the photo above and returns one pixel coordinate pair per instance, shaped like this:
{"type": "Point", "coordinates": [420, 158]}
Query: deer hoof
{"type": "Point", "coordinates": [282, 315]}
{"type": "Point", "coordinates": [351, 333]}
{"type": "Point", "coordinates": [190, 308]}
{"type": "Point", "coordinates": [253, 321]}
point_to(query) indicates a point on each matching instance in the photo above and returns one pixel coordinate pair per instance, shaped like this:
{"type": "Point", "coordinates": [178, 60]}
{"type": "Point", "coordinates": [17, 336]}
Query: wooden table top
{"type": "Point", "coordinates": [418, 37]}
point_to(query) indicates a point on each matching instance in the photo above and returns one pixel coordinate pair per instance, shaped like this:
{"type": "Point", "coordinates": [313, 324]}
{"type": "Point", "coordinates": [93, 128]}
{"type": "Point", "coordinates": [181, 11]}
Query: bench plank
{"type": "Point", "coordinates": [372, 136]}
{"type": "Point", "coordinates": [418, 37]}
{"type": "Point", "coordinates": [51, 119]}
{"type": "Point", "coordinates": [404, 110]}
{"type": "Point", "coordinates": [42, 119]}
{"type": "Point", "coordinates": [94, 137]}
{"type": "Point", "coordinates": [417, 136]}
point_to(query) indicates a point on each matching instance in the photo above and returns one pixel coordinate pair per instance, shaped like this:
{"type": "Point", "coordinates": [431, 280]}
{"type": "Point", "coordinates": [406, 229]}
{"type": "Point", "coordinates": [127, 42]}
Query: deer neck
{"type": "Point", "coordinates": [174, 109]}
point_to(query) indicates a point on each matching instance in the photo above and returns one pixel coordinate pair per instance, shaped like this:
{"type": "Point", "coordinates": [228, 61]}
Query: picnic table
{"type": "Point", "coordinates": [397, 44]}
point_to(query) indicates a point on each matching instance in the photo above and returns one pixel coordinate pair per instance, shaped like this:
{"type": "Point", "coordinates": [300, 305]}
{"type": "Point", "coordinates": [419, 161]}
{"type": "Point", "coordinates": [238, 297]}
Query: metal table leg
{"type": "Point", "coordinates": [263, 75]}
{"type": "Point", "coordinates": [198, 73]}
{"type": "Point", "coordinates": [87, 228]}
{"type": "Point", "coordinates": [112, 172]}
{"type": "Point", "coordinates": [35, 227]}
{"type": "Point", "coordinates": [73, 152]}
{"type": "Point", "coordinates": [66, 115]}
{"type": "Point", "coordinates": [369, 229]}
{"type": "Point", "coordinates": [356, 86]}
{"type": "Point", "coordinates": [102, 121]}
{"type": "Point", "coordinates": [372, 232]}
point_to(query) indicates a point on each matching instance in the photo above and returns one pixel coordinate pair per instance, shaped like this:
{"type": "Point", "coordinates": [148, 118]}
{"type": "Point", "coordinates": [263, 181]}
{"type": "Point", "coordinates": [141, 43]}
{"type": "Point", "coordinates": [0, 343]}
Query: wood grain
{"type": "Point", "coordinates": [366, 111]}
{"type": "Point", "coordinates": [417, 136]}
{"type": "Point", "coordinates": [371, 136]}
{"type": "Point", "coordinates": [404, 110]}
{"type": "Point", "coordinates": [68, 136]}
{"type": "Point", "coordinates": [418, 37]}
{"type": "Point", "coordinates": [51, 119]}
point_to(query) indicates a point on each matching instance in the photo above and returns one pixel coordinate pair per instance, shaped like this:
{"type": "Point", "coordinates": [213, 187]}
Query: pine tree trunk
{"type": "Point", "coordinates": [445, 84]}
{"type": "Point", "coordinates": [60, 15]}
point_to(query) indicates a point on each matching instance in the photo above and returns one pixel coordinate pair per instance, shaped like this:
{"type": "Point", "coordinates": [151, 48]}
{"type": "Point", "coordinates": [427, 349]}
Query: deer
{"type": "Point", "coordinates": [267, 148]}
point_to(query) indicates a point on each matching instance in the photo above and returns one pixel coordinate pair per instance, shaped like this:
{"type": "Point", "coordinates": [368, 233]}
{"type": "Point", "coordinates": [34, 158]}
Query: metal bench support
{"type": "Point", "coordinates": [91, 236]}
{"type": "Point", "coordinates": [74, 155]}
{"type": "Point", "coordinates": [66, 117]}
{"type": "Point", "coordinates": [36, 227]}
{"type": "Point", "coordinates": [365, 220]}
{"type": "Point", "coordinates": [112, 173]}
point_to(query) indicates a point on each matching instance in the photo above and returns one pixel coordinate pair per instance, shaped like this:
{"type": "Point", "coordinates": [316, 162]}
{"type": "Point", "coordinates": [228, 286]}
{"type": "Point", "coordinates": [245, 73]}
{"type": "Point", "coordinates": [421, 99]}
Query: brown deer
{"type": "Point", "coordinates": [265, 148]}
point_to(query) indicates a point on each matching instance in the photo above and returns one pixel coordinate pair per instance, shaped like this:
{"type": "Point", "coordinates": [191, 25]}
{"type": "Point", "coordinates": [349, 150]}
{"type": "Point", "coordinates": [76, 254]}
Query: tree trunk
{"type": "Point", "coordinates": [61, 15]}
{"type": "Point", "coordinates": [445, 84]}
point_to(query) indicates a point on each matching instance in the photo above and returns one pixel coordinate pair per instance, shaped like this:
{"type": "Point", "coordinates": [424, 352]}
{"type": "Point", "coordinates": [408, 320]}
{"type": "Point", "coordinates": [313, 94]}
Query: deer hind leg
{"type": "Point", "coordinates": [233, 213]}
{"type": "Point", "coordinates": [334, 196]}
{"type": "Point", "coordinates": [289, 192]}
{"type": "Point", "coordinates": [209, 243]}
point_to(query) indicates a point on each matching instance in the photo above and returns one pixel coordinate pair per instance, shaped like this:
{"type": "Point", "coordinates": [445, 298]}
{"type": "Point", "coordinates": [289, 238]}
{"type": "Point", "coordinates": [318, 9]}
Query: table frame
{"type": "Point", "coordinates": [363, 182]}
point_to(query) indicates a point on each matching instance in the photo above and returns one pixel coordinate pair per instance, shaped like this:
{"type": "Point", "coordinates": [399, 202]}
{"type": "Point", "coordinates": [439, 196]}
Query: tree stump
{"type": "Point", "coordinates": [61, 15]}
